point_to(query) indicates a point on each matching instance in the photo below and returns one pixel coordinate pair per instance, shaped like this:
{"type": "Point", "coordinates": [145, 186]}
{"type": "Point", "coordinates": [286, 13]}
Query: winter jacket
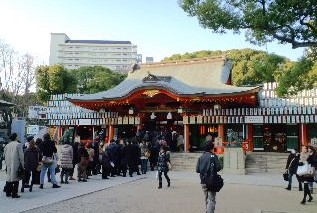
{"type": "Point", "coordinates": [31, 158]}
{"type": "Point", "coordinates": [143, 150]}
{"type": "Point", "coordinates": [13, 156]}
{"type": "Point", "coordinates": [106, 160]}
{"type": "Point", "coordinates": [48, 148]}
{"type": "Point", "coordinates": [67, 156]}
{"type": "Point", "coordinates": [292, 163]}
{"type": "Point", "coordinates": [83, 158]}
{"type": "Point", "coordinates": [203, 163]}
{"type": "Point", "coordinates": [162, 162]}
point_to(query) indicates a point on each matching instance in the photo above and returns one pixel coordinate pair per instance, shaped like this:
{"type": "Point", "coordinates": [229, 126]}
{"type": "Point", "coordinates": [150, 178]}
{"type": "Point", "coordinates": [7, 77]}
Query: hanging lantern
{"type": "Point", "coordinates": [131, 111]}
{"type": "Point", "coordinates": [152, 116]}
{"type": "Point", "coordinates": [169, 116]}
{"type": "Point", "coordinates": [180, 110]}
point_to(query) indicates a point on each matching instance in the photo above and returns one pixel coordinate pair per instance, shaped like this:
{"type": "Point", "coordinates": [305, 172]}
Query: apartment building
{"type": "Point", "coordinates": [119, 56]}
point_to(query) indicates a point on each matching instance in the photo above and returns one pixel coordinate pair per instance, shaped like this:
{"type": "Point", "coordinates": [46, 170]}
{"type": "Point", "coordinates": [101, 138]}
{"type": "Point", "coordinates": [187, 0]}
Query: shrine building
{"type": "Point", "coordinates": [194, 98]}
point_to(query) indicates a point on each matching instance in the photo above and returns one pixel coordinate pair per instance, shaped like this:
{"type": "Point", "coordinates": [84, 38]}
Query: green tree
{"type": "Point", "coordinates": [291, 21]}
{"type": "Point", "coordinates": [54, 80]}
{"type": "Point", "coordinates": [294, 77]}
{"type": "Point", "coordinates": [96, 79]}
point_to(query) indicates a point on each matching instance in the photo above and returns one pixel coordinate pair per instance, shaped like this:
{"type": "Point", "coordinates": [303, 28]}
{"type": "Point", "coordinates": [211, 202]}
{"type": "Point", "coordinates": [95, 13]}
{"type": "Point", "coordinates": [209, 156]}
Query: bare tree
{"type": "Point", "coordinates": [18, 76]}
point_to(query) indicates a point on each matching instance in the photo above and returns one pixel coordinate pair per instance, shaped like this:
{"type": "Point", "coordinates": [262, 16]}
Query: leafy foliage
{"type": "Point", "coordinates": [291, 21]}
{"type": "Point", "coordinates": [54, 80]}
{"type": "Point", "coordinates": [96, 79]}
{"type": "Point", "coordinates": [295, 77]}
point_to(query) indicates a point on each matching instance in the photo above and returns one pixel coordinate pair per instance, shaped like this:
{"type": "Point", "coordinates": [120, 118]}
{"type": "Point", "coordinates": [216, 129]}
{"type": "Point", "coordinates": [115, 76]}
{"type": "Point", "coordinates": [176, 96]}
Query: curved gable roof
{"type": "Point", "coordinates": [186, 78]}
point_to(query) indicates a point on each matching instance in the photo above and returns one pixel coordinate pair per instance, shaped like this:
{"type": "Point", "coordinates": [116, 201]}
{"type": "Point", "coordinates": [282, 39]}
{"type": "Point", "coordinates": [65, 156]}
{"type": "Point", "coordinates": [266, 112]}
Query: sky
{"type": "Point", "coordinates": [159, 28]}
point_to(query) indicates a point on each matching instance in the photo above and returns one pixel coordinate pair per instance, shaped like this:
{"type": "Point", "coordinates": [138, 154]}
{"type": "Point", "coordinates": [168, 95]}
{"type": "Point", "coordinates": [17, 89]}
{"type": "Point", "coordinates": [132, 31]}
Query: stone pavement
{"type": "Point", "coordinates": [139, 194]}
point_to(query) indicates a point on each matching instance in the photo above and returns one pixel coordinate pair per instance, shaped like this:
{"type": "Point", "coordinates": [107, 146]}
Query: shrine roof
{"type": "Point", "coordinates": [202, 77]}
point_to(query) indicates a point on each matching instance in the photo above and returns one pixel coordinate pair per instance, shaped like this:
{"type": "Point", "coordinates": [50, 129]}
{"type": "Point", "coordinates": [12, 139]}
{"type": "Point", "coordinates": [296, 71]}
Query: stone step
{"type": "Point", "coordinates": [184, 161]}
{"type": "Point", "coordinates": [266, 162]}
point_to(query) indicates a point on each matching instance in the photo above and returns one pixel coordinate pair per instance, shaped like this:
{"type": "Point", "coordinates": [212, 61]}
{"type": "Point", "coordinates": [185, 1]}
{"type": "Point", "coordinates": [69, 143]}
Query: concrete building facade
{"type": "Point", "coordinates": [119, 56]}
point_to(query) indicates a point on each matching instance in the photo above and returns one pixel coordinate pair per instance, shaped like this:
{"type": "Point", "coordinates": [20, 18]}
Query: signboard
{"type": "Point", "coordinates": [253, 119]}
{"type": "Point", "coordinates": [37, 112]}
{"type": "Point", "coordinates": [32, 129]}
{"type": "Point", "coordinates": [84, 122]}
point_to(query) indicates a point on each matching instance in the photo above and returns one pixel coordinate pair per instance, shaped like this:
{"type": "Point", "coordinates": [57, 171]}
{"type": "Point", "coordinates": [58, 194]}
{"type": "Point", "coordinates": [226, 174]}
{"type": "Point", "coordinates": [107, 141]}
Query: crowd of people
{"type": "Point", "coordinates": [39, 158]}
{"type": "Point", "coordinates": [307, 156]}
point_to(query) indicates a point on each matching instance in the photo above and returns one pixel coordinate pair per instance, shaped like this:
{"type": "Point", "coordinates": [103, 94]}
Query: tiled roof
{"type": "Point", "coordinates": [187, 78]}
{"type": "Point", "coordinates": [97, 42]}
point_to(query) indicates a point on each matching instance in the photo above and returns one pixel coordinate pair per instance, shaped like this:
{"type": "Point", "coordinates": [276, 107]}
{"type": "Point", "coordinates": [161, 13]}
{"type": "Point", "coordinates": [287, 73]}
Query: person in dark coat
{"type": "Point", "coordinates": [113, 152]}
{"type": "Point", "coordinates": [291, 167]}
{"type": "Point", "coordinates": [105, 164]}
{"type": "Point", "coordinates": [136, 154]}
{"type": "Point", "coordinates": [129, 158]}
{"type": "Point", "coordinates": [162, 166]}
{"type": "Point", "coordinates": [31, 163]}
{"type": "Point", "coordinates": [95, 165]}
{"type": "Point", "coordinates": [124, 158]}
{"type": "Point", "coordinates": [154, 148]}
{"type": "Point", "coordinates": [83, 159]}
{"type": "Point", "coordinates": [205, 161]}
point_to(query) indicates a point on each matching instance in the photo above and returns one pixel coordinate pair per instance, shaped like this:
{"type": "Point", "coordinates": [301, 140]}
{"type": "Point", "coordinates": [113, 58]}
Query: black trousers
{"type": "Point", "coordinates": [27, 177]}
{"type": "Point", "coordinates": [12, 188]}
{"type": "Point", "coordinates": [160, 176]}
{"type": "Point", "coordinates": [306, 191]}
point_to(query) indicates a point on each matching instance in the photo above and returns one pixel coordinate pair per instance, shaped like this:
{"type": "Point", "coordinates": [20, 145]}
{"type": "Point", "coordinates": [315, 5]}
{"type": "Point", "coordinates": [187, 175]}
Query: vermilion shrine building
{"type": "Point", "coordinates": [195, 98]}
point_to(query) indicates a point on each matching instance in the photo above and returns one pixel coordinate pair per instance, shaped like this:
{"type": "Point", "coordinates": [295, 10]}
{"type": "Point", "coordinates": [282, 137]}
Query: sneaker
{"type": "Point", "coordinates": [71, 178]}
{"type": "Point", "coordinates": [56, 186]}
{"type": "Point", "coordinates": [84, 180]}
{"type": "Point", "coordinates": [41, 186]}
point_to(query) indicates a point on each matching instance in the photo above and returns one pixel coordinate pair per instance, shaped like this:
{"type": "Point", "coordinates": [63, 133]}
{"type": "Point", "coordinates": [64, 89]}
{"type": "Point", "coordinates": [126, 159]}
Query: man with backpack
{"type": "Point", "coordinates": [207, 166]}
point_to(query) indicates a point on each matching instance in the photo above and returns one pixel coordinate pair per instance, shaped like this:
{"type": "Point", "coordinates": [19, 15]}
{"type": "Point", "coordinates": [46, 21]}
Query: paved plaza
{"type": "Point", "coordinates": [139, 194]}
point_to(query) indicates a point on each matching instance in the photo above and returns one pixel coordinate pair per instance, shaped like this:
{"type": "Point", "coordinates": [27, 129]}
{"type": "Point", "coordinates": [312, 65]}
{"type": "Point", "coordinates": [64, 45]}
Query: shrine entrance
{"type": "Point", "coordinates": [274, 137]}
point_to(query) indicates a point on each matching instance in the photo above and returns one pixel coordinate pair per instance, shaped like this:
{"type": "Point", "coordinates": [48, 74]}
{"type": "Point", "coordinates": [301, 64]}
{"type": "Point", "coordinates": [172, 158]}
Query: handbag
{"type": "Point", "coordinates": [285, 176]}
{"type": "Point", "coordinates": [21, 172]}
{"type": "Point", "coordinates": [305, 170]}
{"type": "Point", "coordinates": [47, 160]}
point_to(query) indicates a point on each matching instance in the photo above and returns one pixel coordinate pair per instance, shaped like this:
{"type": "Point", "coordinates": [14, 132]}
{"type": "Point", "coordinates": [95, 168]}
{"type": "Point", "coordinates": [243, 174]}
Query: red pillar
{"type": "Point", "coordinates": [186, 138]}
{"type": "Point", "coordinates": [111, 133]}
{"type": "Point", "coordinates": [221, 131]}
{"type": "Point", "coordinates": [249, 137]}
{"type": "Point", "coordinates": [303, 135]}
